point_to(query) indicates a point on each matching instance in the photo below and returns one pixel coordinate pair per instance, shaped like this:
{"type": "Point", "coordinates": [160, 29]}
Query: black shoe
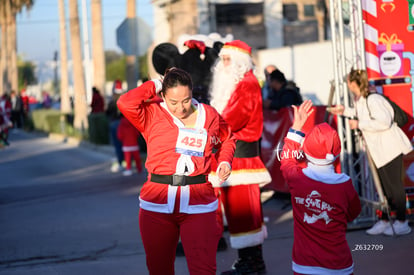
{"type": "Point", "coordinates": [250, 261]}
{"type": "Point", "coordinates": [247, 266]}
{"type": "Point", "coordinates": [222, 244]}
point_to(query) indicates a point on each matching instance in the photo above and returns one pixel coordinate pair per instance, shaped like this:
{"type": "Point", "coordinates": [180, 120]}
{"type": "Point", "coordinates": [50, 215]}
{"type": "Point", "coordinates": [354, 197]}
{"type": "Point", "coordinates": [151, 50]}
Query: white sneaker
{"type": "Point", "coordinates": [115, 167]}
{"type": "Point", "coordinates": [400, 228]}
{"type": "Point", "coordinates": [127, 172]}
{"type": "Point", "coordinates": [379, 227]}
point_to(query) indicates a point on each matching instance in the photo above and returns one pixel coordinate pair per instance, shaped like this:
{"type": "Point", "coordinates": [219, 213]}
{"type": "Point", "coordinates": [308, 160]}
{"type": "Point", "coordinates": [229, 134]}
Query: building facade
{"type": "Point", "coordinates": [261, 23]}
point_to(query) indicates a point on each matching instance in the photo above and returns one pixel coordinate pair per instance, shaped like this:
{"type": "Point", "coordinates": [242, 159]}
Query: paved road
{"type": "Point", "coordinates": [63, 212]}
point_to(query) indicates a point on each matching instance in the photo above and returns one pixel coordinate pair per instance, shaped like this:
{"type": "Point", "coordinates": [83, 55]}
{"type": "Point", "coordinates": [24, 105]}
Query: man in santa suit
{"type": "Point", "coordinates": [235, 93]}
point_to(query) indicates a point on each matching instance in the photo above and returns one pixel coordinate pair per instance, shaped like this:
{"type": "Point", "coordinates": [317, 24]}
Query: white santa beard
{"type": "Point", "coordinates": [222, 88]}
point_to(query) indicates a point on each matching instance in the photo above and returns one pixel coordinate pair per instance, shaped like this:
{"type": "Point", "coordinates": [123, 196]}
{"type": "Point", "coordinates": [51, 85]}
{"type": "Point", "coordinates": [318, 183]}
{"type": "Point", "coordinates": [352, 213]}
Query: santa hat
{"type": "Point", "coordinates": [118, 87]}
{"type": "Point", "coordinates": [236, 45]}
{"type": "Point", "coordinates": [322, 145]}
{"type": "Point", "coordinates": [196, 44]}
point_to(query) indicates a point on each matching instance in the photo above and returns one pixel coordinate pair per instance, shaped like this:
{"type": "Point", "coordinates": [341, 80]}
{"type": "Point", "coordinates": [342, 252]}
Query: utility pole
{"type": "Point", "coordinates": [131, 60]}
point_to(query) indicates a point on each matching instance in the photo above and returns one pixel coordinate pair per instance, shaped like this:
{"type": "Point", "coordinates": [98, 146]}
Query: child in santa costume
{"type": "Point", "coordinates": [236, 95]}
{"type": "Point", "coordinates": [128, 135]}
{"type": "Point", "coordinates": [323, 201]}
{"type": "Point", "coordinates": [178, 200]}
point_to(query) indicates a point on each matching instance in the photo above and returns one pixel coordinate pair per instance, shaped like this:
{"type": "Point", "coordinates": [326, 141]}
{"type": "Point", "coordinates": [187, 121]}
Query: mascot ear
{"type": "Point", "coordinates": [218, 45]}
{"type": "Point", "coordinates": [165, 56]}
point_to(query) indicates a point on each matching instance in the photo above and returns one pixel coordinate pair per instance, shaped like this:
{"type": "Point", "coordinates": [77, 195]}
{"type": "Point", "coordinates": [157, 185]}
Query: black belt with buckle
{"type": "Point", "coordinates": [246, 149]}
{"type": "Point", "coordinates": [178, 180]}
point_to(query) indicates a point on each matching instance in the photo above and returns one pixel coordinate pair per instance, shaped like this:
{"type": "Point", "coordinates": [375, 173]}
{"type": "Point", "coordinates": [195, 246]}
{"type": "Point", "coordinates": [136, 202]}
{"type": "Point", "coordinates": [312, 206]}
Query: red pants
{"type": "Point", "coordinates": [242, 207]}
{"type": "Point", "coordinates": [137, 158]}
{"type": "Point", "coordinates": [160, 233]}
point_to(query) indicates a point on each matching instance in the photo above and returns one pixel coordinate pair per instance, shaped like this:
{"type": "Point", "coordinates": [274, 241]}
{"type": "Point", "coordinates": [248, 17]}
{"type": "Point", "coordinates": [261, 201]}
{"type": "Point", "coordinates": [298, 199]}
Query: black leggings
{"type": "Point", "coordinates": [393, 186]}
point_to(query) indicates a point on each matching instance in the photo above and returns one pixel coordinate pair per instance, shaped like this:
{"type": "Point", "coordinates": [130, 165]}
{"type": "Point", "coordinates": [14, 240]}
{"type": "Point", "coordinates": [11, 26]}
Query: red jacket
{"type": "Point", "coordinates": [160, 130]}
{"type": "Point", "coordinates": [244, 110]}
{"type": "Point", "coordinates": [128, 135]}
{"type": "Point", "coordinates": [323, 203]}
{"type": "Point", "coordinates": [244, 114]}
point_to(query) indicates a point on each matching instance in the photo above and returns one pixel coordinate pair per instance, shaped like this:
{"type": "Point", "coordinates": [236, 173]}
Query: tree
{"type": "Point", "coordinates": [80, 121]}
{"type": "Point", "coordinates": [26, 74]}
{"type": "Point", "coordinates": [65, 106]}
{"type": "Point", "coordinates": [8, 55]}
{"type": "Point", "coordinates": [98, 53]}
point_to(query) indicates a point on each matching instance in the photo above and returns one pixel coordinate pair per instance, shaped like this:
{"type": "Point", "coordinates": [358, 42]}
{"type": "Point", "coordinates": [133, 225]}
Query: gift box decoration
{"type": "Point", "coordinates": [390, 55]}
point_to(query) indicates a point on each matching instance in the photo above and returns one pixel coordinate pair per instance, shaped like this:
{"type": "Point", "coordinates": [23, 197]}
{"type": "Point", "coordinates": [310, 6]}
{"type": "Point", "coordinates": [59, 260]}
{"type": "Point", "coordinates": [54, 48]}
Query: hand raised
{"type": "Point", "coordinates": [301, 114]}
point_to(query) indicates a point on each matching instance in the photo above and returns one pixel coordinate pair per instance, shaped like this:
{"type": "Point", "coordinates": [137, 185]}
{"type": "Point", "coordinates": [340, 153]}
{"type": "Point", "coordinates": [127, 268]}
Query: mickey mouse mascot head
{"type": "Point", "coordinates": [197, 60]}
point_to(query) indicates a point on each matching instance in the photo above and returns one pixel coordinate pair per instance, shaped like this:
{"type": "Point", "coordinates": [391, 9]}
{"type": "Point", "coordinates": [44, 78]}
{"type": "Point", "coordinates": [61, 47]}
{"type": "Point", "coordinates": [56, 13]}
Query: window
{"type": "Point", "coordinates": [309, 10]}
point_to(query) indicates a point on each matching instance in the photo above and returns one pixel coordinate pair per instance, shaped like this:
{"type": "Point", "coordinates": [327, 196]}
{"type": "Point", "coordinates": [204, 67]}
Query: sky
{"type": "Point", "coordinates": [38, 28]}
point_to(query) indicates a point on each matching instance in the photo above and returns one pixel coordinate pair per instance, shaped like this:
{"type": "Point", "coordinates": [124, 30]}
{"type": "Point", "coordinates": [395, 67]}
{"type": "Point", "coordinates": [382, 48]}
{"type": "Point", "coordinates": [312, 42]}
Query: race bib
{"type": "Point", "coordinates": [191, 141]}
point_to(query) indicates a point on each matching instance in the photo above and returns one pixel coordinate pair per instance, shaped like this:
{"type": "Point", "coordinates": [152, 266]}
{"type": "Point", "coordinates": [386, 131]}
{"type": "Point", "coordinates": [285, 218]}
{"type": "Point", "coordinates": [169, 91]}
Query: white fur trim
{"type": "Point", "coordinates": [248, 240]}
{"type": "Point", "coordinates": [130, 148]}
{"type": "Point", "coordinates": [242, 178]}
{"type": "Point", "coordinates": [329, 159]}
{"type": "Point", "coordinates": [158, 85]}
{"type": "Point", "coordinates": [324, 173]}
{"type": "Point", "coordinates": [185, 207]}
{"type": "Point", "coordinates": [295, 137]}
{"type": "Point", "coordinates": [303, 269]}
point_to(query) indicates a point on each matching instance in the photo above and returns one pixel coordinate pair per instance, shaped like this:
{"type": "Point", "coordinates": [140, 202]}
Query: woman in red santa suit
{"type": "Point", "coordinates": [178, 200]}
{"type": "Point", "coordinates": [236, 95]}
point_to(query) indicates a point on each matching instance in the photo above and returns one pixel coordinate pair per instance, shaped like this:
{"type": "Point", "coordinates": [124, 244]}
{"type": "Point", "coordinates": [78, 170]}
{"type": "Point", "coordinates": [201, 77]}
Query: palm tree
{"type": "Point", "coordinates": [98, 53]}
{"type": "Point", "coordinates": [80, 122]}
{"type": "Point", "coordinates": [64, 79]}
{"type": "Point", "coordinates": [8, 63]}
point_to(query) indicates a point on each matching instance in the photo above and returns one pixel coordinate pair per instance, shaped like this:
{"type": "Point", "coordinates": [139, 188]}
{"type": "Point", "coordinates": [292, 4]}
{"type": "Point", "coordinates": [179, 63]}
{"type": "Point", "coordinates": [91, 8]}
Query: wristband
{"type": "Point", "coordinates": [296, 132]}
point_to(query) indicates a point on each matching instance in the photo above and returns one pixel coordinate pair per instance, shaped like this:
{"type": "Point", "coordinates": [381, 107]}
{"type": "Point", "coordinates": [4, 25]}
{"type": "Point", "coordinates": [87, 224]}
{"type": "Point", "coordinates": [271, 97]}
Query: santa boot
{"type": "Point", "coordinates": [250, 261]}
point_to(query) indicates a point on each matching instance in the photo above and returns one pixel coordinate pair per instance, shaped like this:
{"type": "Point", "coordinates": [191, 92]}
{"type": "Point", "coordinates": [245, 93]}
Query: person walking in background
{"type": "Point", "coordinates": [5, 119]}
{"type": "Point", "coordinates": [323, 201]}
{"type": "Point", "coordinates": [114, 117]}
{"type": "Point", "coordinates": [16, 110]}
{"type": "Point", "coordinates": [98, 102]}
{"type": "Point", "coordinates": [236, 95]}
{"type": "Point", "coordinates": [283, 93]}
{"type": "Point", "coordinates": [128, 135]}
{"type": "Point", "coordinates": [25, 106]}
{"type": "Point", "coordinates": [178, 200]}
{"type": "Point", "coordinates": [386, 143]}
{"type": "Point", "coordinates": [46, 100]}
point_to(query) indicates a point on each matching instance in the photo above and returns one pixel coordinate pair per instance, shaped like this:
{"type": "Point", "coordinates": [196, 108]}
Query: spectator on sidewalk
{"type": "Point", "coordinates": [283, 93]}
{"type": "Point", "coordinates": [386, 144]}
{"type": "Point", "coordinates": [98, 102]}
{"type": "Point", "coordinates": [128, 135]}
{"type": "Point", "coordinates": [323, 201]}
{"type": "Point", "coordinates": [266, 89]}
{"type": "Point", "coordinates": [16, 109]}
{"type": "Point", "coordinates": [5, 119]}
{"type": "Point", "coordinates": [114, 117]}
